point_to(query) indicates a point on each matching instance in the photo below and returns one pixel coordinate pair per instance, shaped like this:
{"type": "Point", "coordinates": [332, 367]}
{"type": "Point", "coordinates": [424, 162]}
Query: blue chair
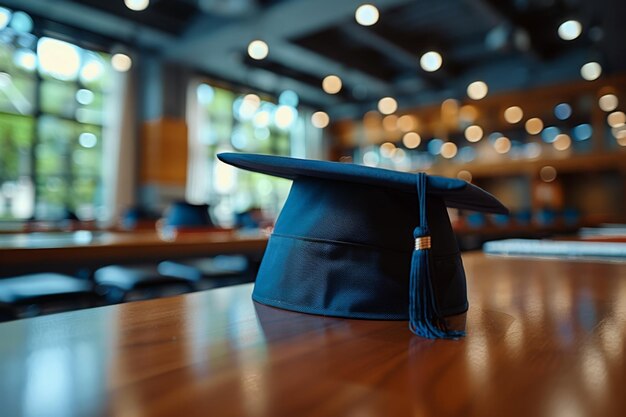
{"type": "Point", "coordinates": [208, 272]}
{"type": "Point", "coordinates": [42, 293]}
{"type": "Point", "coordinates": [120, 283]}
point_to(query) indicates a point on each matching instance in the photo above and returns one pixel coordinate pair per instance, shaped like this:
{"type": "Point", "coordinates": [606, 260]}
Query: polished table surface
{"type": "Point", "coordinates": [26, 252]}
{"type": "Point", "coordinates": [544, 338]}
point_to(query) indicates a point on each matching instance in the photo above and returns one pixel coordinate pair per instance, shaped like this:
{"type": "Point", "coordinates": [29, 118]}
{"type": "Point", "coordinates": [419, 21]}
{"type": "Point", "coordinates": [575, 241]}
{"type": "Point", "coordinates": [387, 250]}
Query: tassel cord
{"type": "Point", "coordinates": [424, 317]}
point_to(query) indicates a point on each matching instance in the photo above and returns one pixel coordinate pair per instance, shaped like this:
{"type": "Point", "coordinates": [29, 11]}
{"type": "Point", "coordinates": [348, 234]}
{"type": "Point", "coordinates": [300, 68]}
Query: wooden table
{"type": "Point", "coordinates": [28, 252]}
{"type": "Point", "coordinates": [544, 338]}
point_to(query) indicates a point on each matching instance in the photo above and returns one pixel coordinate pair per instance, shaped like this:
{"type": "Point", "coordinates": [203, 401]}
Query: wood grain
{"type": "Point", "coordinates": [544, 338]}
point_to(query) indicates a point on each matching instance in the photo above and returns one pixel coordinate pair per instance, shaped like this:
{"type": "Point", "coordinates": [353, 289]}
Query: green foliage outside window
{"type": "Point", "coordinates": [51, 129]}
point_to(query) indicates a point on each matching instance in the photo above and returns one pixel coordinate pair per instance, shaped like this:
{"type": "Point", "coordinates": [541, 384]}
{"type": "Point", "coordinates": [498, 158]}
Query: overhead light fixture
{"type": "Point", "coordinates": [474, 133]}
{"type": "Point", "coordinates": [513, 114]}
{"type": "Point", "coordinates": [608, 102]}
{"type": "Point", "coordinates": [562, 142]}
{"type": "Point", "coordinates": [320, 119]}
{"type": "Point", "coordinates": [616, 119]}
{"type": "Point", "coordinates": [285, 116]}
{"type": "Point", "coordinates": [257, 49]}
{"type": "Point", "coordinates": [121, 62]}
{"type": "Point", "coordinates": [547, 173]}
{"type": "Point", "coordinates": [407, 122]}
{"type": "Point", "coordinates": [534, 126]}
{"type": "Point", "coordinates": [289, 98]}
{"type": "Point", "coordinates": [137, 5]}
{"type": "Point", "coordinates": [411, 140]}
{"type": "Point", "coordinates": [570, 30]}
{"type": "Point", "coordinates": [591, 71]}
{"type": "Point", "coordinates": [502, 145]}
{"type": "Point", "coordinates": [332, 84]}
{"type": "Point", "coordinates": [431, 61]}
{"type": "Point", "coordinates": [477, 90]}
{"type": "Point", "coordinates": [387, 105]}
{"type": "Point", "coordinates": [387, 149]}
{"type": "Point", "coordinates": [449, 150]}
{"type": "Point", "coordinates": [562, 111]}
{"type": "Point", "coordinates": [366, 15]}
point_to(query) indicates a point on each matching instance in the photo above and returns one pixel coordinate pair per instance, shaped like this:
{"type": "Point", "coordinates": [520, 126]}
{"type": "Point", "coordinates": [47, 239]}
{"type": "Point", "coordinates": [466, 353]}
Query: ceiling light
{"type": "Point", "coordinates": [390, 123]}
{"type": "Point", "coordinates": [562, 142]}
{"type": "Point", "coordinates": [320, 119]}
{"type": "Point", "coordinates": [562, 111]}
{"type": "Point", "coordinates": [547, 173]}
{"type": "Point", "coordinates": [387, 105]}
{"type": "Point", "coordinates": [477, 90]}
{"type": "Point", "coordinates": [467, 154]}
{"type": "Point", "coordinates": [434, 146]}
{"type": "Point", "coordinates": [534, 125]}
{"type": "Point", "coordinates": [137, 5]}
{"type": "Point", "coordinates": [468, 113]}
{"type": "Point", "coordinates": [582, 132]}
{"type": "Point", "coordinates": [608, 102]}
{"type": "Point", "coordinates": [121, 62]}
{"type": "Point", "coordinates": [620, 135]}
{"type": "Point", "coordinates": [366, 15]}
{"type": "Point", "coordinates": [411, 140]}
{"type": "Point", "coordinates": [431, 61]}
{"type": "Point", "coordinates": [502, 145]}
{"type": "Point", "coordinates": [285, 116]}
{"type": "Point", "coordinates": [513, 114]}
{"type": "Point", "coordinates": [387, 149]}
{"type": "Point", "coordinates": [332, 84]}
{"type": "Point", "coordinates": [407, 122]}
{"type": "Point", "coordinates": [474, 133]}
{"type": "Point", "coordinates": [464, 175]}
{"type": "Point", "coordinates": [570, 30]}
{"type": "Point", "coordinates": [289, 98]}
{"type": "Point", "coordinates": [448, 150]}
{"type": "Point", "coordinates": [550, 133]}
{"type": "Point", "coordinates": [257, 49]}
{"type": "Point", "coordinates": [616, 119]}
{"type": "Point", "coordinates": [591, 71]}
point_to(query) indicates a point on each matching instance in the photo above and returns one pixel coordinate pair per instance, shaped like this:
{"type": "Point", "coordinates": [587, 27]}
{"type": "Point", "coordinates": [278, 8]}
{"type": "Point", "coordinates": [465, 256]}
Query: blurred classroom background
{"type": "Point", "coordinates": [111, 114]}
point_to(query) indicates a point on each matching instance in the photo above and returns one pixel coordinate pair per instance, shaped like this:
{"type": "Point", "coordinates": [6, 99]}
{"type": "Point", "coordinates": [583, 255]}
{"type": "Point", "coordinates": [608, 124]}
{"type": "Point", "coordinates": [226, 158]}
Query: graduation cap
{"type": "Point", "coordinates": [361, 242]}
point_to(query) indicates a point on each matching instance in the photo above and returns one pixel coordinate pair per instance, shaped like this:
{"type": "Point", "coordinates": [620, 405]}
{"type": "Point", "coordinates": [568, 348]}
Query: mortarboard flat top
{"type": "Point", "coordinates": [368, 243]}
{"type": "Point", "coordinates": [455, 192]}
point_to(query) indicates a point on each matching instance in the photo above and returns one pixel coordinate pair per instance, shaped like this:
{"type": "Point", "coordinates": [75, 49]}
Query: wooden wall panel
{"type": "Point", "coordinates": [164, 151]}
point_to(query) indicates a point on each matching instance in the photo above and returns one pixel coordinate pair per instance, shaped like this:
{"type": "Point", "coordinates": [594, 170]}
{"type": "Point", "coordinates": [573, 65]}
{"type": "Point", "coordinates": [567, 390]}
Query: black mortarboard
{"type": "Point", "coordinates": [361, 242]}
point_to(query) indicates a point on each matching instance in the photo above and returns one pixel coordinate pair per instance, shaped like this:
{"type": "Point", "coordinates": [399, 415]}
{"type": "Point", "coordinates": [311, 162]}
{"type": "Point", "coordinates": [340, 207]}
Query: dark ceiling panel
{"type": "Point", "coordinates": [165, 15]}
{"type": "Point", "coordinates": [333, 43]}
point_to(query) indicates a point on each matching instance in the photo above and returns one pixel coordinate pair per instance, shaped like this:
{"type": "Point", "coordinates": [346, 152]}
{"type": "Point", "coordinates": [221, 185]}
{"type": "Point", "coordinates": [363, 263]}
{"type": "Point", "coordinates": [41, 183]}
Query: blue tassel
{"type": "Point", "coordinates": [424, 317]}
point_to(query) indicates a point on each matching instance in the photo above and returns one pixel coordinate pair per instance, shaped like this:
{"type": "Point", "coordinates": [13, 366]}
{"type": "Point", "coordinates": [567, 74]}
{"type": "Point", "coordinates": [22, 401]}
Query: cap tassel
{"type": "Point", "coordinates": [424, 317]}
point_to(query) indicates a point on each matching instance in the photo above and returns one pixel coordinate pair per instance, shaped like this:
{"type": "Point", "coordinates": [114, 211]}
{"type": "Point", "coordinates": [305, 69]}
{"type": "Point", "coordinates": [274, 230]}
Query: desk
{"type": "Point", "coordinates": [27, 252]}
{"type": "Point", "coordinates": [544, 338]}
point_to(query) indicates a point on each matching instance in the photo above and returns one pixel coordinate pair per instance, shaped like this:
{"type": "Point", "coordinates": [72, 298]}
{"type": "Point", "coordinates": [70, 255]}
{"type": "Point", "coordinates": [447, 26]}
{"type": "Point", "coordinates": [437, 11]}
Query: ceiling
{"type": "Point", "coordinates": [511, 44]}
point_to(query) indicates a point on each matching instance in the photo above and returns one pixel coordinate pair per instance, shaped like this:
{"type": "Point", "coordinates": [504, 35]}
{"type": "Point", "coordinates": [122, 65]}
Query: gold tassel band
{"type": "Point", "coordinates": [422, 243]}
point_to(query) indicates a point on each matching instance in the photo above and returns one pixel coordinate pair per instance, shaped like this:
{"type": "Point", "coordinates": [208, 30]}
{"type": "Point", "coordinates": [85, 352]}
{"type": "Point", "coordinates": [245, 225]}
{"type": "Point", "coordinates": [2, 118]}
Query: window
{"type": "Point", "coordinates": [52, 105]}
{"type": "Point", "coordinates": [221, 120]}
